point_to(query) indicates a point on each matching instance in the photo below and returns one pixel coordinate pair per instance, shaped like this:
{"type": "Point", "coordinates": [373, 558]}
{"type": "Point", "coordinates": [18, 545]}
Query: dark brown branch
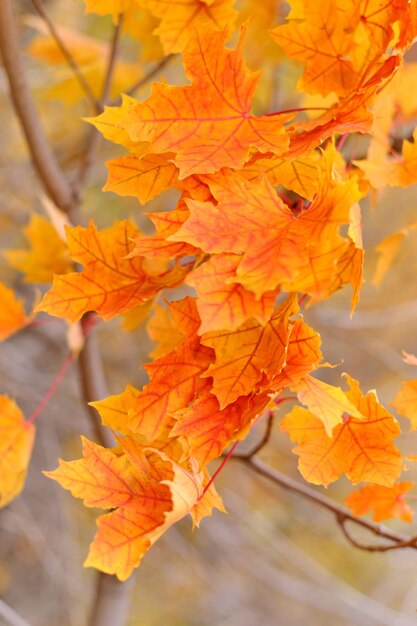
{"type": "Point", "coordinates": [262, 443]}
{"type": "Point", "coordinates": [411, 542]}
{"type": "Point", "coordinates": [44, 160]}
{"type": "Point", "coordinates": [39, 7]}
{"type": "Point", "coordinates": [342, 514]}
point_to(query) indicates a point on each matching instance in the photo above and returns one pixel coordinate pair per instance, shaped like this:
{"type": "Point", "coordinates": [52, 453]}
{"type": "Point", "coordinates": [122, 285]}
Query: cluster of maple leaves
{"type": "Point", "coordinates": [268, 220]}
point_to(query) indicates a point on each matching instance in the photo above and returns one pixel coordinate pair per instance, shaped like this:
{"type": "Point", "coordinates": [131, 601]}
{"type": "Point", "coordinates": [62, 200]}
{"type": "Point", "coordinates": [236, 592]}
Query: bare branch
{"type": "Point", "coordinates": [411, 542]}
{"type": "Point", "coordinates": [40, 8]}
{"type": "Point", "coordinates": [151, 74]}
{"type": "Point", "coordinates": [44, 160]}
{"type": "Point", "coordinates": [341, 513]}
{"type": "Point", "coordinates": [111, 605]}
{"type": "Point", "coordinates": [92, 379]}
{"type": "Point", "coordinates": [94, 139]}
{"type": "Point", "coordinates": [111, 64]}
{"type": "Point", "coordinates": [262, 443]}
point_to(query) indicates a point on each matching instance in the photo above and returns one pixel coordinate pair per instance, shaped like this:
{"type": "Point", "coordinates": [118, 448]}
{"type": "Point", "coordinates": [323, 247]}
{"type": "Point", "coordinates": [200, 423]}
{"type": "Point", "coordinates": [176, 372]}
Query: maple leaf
{"type": "Point", "coordinates": [210, 429]}
{"type": "Point", "coordinates": [107, 7]}
{"type": "Point", "coordinates": [148, 491]}
{"type": "Point", "coordinates": [330, 265]}
{"type": "Point", "coordinates": [136, 316]}
{"type": "Point", "coordinates": [326, 402]}
{"type": "Point", "coordinates": [301, 174]}
{"type": "Point", "coordinates": [322, 39]}
{"type": "Point", "coordinates": [46, 256]}
{"type": "Point", "coordinates": [176, 379]}
{"type": "Point", "coordinates": [303, 356]}
{"type": "Point", "coordinates": [163, 331]}
{"type": "Point", "coordinates": [362, 449]}
{"type": "Point", "coordinates": [209, 501]}
{"type": "Point", "coordinates": [110, 284]}
{"type": "Point", "coordinates": [340, 43]}
{"type": "Point", "coordinates": [388, 249]}
{"type": "Point", "coordinates": [12, 313]}
{"type": "Point", "coordinates": [249, 218]}
{"type": "Point", "coordinates": [223, 304]}
{"type": "Point", "coordinates": [383, 502]}
{"type": "Point", "coordinates": [141, 177]}
{"type": "Point", "coordinates": [351, 115]}
{"type": "Point", "coordinates": [399, 171]}
{"type": "Point", "coordinates": [406, 401]}
{"type": "Point", "coordinates": [208, 125]}
{"type": "Point", "coordinates": [107, 123]}
{"type": "Point", "coordinates": [179, 18]}
{"type": "Point", "coordinates": [167, 223]}
{"type": "Point", "coordinates": [16, 443]}
{"type": "Point", "coordinates": [244, 355]}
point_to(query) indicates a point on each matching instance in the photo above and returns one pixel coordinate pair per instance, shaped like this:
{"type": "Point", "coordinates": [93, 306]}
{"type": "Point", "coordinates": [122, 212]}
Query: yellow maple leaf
{"type": "Point", "coordinates": [47, 253]}
{"type": "Point", "coordinates": [16, 443]}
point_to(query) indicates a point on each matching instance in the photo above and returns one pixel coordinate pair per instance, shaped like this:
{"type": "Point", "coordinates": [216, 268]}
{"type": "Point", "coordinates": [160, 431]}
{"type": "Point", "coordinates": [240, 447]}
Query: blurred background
{"type": "Point", "coordinates": [274, 559]}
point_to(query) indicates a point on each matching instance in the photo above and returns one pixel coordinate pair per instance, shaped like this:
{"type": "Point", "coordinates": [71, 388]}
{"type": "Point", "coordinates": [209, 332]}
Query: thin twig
{"type": "Point", "coordinates": [263, 441]}
{"type": "Point", "coordinates": [111, 64]}
{"type": "Point", "coordinates": [94, 138]}
{"type": "Point", "coordinates": [340, 512]}
{"type": "Point", "coordinates": [85, 86]}
{"type": "Point", "coordinates": [411, 542]}
{"type": "Point", "coordinates": [151, 74]}
{"type": "Point", "coordinates": [44, 160]}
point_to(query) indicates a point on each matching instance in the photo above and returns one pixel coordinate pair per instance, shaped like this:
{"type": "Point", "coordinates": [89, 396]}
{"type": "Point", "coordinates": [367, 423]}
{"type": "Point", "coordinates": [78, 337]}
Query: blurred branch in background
{"type": "Point", "coordinates": [112, 597]}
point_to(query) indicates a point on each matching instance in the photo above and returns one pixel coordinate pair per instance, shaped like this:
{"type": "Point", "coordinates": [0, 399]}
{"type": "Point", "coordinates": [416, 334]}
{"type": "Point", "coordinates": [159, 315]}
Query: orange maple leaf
{"type": "Point", "coordinates": [148, 491]}
{"type": "Point", "coordinates": [223, 304]}
{"type": "Point", "coordinates": [244, 355]}
{"type": "Point", "coordinates": [142, 177]}
{"type": "Point", "coordinates": [209, 429]}
{"type": "Point", "coordinates": [179, 18]}
{"type": "Point", "coordinates": [167, 223]}
{"type": "Point", "coordinates": [383, 502]}
{"type": "Point", "coordinates": [110, 283]}
{"type": "Point", "coordinates": [303, 356]}
{"type": "Point", "coordinates": [362, 449]}
{"type": "Point", "coordinates": [208, 125]}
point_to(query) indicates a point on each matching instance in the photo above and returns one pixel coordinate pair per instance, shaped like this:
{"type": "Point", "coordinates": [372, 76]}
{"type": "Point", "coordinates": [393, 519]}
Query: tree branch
{"type": "Point", "coordinates": [44, 160]}
{"type": "Point", "coordinates": [94, 138]}
{"type": "Point", "coordinates": [153, 72]}
{"type": "Point", "coordinates": [40, 8]}
{"type": "Point", "coordinates": [112, 597]}
{"type": "Point", "coordinates": [342, 514]}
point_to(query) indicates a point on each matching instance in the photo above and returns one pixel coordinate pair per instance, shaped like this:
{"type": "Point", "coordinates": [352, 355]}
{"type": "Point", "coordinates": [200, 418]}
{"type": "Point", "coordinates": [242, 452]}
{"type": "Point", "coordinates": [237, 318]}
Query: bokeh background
{"type": "Point", "coordinates": [274, 559]}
